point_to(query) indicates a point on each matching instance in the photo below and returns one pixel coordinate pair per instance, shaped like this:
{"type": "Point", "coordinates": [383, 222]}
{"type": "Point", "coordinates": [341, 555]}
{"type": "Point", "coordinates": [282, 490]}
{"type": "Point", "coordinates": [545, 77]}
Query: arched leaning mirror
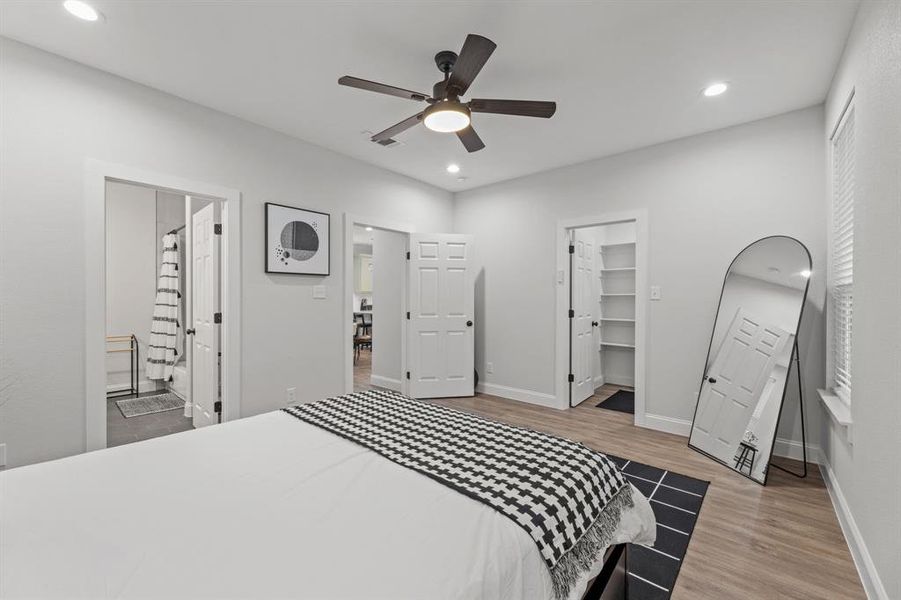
{"type": "Point", "coordinates": [750, 354]}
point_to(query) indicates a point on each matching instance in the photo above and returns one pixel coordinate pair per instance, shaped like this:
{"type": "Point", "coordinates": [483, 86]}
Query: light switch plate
{"type": "Point", "coordinates": [291, 396]}
{"type": "Point", "coordinates": [655, 292]}
{"type": "Point", "coordinates": [319, 292]}
{"type": "Point", "coordinates": [2, 455]}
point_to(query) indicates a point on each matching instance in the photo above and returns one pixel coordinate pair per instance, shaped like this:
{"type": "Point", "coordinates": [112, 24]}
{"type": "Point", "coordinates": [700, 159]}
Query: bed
{"type": "Point", "coordinates": [264, 507]}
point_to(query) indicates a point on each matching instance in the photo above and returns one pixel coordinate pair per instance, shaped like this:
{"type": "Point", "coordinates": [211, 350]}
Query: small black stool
{"type": "Point", "coordinates": [746, 456]}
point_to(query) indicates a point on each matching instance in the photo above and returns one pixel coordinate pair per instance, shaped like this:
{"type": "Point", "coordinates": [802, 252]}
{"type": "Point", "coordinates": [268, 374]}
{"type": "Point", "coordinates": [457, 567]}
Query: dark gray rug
{"type": "Point", "coordinates": [676, 500]}
{"type": "Point", "coordinates": [147, 405]}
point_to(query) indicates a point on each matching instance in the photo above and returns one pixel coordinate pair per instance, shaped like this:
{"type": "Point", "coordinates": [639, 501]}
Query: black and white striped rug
{"type": "Point", "coordinates": [676, 500]}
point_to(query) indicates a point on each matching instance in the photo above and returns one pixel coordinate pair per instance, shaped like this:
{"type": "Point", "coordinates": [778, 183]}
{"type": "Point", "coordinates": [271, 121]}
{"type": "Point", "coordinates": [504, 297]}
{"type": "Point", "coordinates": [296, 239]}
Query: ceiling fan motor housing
{"type": "Point", "coordinates": [445, 60]}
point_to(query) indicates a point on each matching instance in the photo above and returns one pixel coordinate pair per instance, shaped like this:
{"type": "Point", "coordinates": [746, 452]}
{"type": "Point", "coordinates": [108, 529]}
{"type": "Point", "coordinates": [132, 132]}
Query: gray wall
{"type": "Point", "coordinates": [56, 113]}
{"type": "Point", "coordinates": [388, 287]}
{"type": "Point", "coordinates": [131, 271]}
{"type": "Point", "coordinates": [707, 197]}
{"type": "Point", "coordinates": [868, 473]}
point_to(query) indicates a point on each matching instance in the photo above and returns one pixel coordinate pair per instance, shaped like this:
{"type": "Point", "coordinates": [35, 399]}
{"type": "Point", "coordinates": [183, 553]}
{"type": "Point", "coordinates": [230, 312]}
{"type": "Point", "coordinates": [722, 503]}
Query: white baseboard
{"type": "Point", "coordinates": [869, 577]}
{"type": "Point", "coordinates": [521, 395]}
{"type": "Point", "coordinates": [625, 381]}
{"type": "Point", "coordinates": [385, 382]}
{"type": "Point", "coordinates": [667, 424]}
{"type": "Point", "coordinates": [598, 381]}
{"type": "Point", "coordinates": [792, 449]}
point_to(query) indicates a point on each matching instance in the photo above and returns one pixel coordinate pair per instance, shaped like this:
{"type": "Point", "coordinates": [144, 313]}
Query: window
{"type": "Point", "coordinates": [842, 254]}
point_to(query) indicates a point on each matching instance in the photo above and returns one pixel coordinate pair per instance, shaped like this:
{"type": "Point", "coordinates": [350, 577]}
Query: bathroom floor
{"type": "Point", "coordinates": [120, 430]}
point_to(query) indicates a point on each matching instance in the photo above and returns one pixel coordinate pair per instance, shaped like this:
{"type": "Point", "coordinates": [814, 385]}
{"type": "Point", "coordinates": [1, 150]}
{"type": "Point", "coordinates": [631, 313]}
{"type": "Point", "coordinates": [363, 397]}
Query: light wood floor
{"type": "Point", "coordinates": [780, 541]}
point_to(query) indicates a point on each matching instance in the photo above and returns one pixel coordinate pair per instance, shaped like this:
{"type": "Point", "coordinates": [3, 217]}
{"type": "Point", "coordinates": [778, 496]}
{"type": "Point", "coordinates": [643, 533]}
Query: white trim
{"type": "Point", "coordinates": [350, 220]}
{"type": "Point", "coordinates": [511, 393]}
{"type": "Point", "coordinates": [599, 381]}
{"type": "Point", "coordinates": [866, 569]}
{"type": "Point", "coordinates": [792, 449]}
{"type": "Point", "coordinates": [97, 173]}
{"type": "Point", "coordinates": [668, 424]}
{"type": "Point", "coordinates": [385, 382]}
{"type": "Point", "coordinates": [640, 217]}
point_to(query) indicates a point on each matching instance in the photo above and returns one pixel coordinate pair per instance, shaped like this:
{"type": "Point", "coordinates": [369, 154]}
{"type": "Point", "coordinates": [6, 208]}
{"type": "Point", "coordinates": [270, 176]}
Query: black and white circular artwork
{"type": "Point", "coordinates": [297, 241]}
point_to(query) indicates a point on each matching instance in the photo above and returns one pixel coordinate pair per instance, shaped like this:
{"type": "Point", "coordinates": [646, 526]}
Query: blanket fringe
{"type": "Point", "coordinates": [583, 555]}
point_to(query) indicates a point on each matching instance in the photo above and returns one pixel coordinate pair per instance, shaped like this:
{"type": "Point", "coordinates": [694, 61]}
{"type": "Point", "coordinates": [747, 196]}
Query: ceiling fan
{"type": "Point", "coordinates": [446, 113]}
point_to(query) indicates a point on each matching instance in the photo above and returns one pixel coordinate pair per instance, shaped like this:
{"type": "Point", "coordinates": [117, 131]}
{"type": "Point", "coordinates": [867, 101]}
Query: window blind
{"type": "Point", "coordinates": [842, 254]}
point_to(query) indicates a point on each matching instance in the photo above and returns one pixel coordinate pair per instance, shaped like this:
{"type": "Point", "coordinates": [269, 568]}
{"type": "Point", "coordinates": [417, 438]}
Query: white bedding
{"type": "Point", "coordinates": [263, 507]}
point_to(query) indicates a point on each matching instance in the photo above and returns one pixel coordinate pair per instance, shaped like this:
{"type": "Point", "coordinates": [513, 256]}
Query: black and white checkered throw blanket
{"type": "Point", "coordinates": [566, 496]}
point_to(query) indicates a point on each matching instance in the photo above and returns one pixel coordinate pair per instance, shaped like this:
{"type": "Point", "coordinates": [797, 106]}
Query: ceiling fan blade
{"type": "Point", "coordinates": [473, 56]}
{"type": "Point", "coordinates": [471, 139]}
{"type": "Point", "coordinates": [381, 88]}
{"type": "Point", "coordinates": [399, 128]}
{"type": "Point", "coordinates": [522, 108]}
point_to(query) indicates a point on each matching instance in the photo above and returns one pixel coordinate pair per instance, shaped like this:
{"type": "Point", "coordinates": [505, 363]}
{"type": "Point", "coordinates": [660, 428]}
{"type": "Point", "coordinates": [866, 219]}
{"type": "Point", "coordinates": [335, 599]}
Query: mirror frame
{"type": "Point", "coordinates": [795, 357]}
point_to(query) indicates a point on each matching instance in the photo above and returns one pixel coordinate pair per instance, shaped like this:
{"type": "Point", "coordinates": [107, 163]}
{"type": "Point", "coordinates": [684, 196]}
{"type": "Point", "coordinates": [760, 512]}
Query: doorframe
{"type": "Point", "coordinates": [97, 173]}
{"type": "Point", "coordinates": [563, 280]}
{"type": "Point", "coordinates": [350, 220]}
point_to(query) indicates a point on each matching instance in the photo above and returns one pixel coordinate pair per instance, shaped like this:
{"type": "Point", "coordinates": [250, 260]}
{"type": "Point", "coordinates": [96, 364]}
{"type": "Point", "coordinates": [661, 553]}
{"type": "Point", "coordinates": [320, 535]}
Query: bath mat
{"type": "Point", "coordinates": [621, 401]}
{"type": "Point", "coordinates": [147, 405]}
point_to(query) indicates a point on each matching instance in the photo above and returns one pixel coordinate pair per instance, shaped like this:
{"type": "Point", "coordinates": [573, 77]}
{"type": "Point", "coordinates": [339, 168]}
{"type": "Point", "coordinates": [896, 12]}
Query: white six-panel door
{"type": "Point", "coordinates": [440, 338]}
{"type": "Point", "coordinates": [734, 383]}
{"type": "Point", "coordinates": [583, 303]}
{"type": "Point", "coordinates": [204, 305]}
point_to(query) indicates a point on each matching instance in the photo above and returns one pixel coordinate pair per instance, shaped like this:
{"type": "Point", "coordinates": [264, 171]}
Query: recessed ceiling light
{"type": "Point", "coordinates": [369, 229]}
{"type": "Point", "coordinates": [82, 10]}
{"type": "Point", "coordinates": [452, 168]}
{"type": "Point", "coordinates": [715, 89]}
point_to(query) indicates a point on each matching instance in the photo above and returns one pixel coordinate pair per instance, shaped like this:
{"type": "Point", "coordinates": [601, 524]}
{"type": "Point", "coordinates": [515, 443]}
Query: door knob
{"type": "Point", "coordinates": [594, 323]}
{"type": "Point", "coordinates": [189, 332]}
{"type": "Point", "coordinates": [469, 323]}
{"type": "Point", "coordinates": [711, 379]}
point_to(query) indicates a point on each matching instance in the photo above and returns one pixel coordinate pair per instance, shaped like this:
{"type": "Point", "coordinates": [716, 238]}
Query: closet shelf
{"type": "Point", "coordinates": [619, 244]}
{"type": "Point", "coordinates": [617, 345]}
{"type": "Point", "coordinates": [615, 320]}
{"type": "Point", "coordinates": [618, 270]}
{"type": "Point", "coordinates": [617, 295]}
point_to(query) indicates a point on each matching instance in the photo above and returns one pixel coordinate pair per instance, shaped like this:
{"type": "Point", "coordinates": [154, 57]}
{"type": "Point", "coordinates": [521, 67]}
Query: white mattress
{"type": "Point", "coordinates": [263, 507]}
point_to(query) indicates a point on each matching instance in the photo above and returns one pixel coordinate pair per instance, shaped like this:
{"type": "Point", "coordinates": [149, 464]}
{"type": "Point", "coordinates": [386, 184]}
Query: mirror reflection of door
{"type": "Point", "coordinates": [750, 353]}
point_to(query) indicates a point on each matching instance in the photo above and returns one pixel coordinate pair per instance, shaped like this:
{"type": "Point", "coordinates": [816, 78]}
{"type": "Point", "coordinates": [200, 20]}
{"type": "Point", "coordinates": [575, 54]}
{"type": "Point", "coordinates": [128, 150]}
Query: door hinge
{"type": "Point", "coordinates": [217, 317]}
{"type": "Point", "coordinates": [408, 374]}
{"type": "Point", "coordinates": [408, 255]}
{"type": "Point", "coordinates": [572, 313]}
{"type": "Point", "coordinates": [571, 378]}
{"type": "Point", "coordinates": [572, 249]}
{"type": "Point", "coordinates": [217, 229]}
{"type": "Point", "coordinates": [217, 406]}
{"type": "Point", "coordinates": [408, 315]}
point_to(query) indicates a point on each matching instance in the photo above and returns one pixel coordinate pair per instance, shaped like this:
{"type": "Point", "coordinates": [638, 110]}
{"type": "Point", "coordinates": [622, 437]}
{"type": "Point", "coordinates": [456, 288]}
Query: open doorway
{"type": "Point", "coordinates": [602, 352]}
{"type": "Point", "coordinates": [601, 284]}
{"type": "Point", "coordinates": [162, 305]}
{"type": "Point", "coordinates": [422, 302]}
{"type": "Point", "coordinates": [376, 304]}
{"type": "Point", "coordinates": [163, 277]}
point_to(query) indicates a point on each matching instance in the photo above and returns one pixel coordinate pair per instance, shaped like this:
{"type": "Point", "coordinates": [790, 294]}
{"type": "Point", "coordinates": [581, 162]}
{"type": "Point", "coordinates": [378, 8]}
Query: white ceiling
{"type": "Point", "coordinates": [624, 74]}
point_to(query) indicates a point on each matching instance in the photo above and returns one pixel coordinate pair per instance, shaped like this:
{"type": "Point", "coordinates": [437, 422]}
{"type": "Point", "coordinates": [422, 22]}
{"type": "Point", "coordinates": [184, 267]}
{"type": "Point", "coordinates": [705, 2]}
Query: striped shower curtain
{"type": "Point", "coordinates": [165, 331]}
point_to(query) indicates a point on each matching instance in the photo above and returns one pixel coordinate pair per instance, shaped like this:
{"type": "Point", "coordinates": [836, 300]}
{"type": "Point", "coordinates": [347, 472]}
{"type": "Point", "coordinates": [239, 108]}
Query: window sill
{"type": "Point", "coordinates": [838, 411]}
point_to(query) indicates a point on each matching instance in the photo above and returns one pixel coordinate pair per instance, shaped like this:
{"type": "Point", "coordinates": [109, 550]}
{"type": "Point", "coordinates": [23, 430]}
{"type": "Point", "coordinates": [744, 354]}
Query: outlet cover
{"type": "Point", "coordinates": [290, 396]}
{"type": "Point", "coordinates": [489, 368]}
{"type": "Point", "coordinates": [319, 292]}
{"type": "Point", "coordinates": [655, 292]}
{"type": "Point", "coordinates": [2, 455]}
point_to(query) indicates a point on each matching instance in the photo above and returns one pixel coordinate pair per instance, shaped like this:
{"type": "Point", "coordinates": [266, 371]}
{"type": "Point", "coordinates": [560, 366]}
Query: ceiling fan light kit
{"type": "Point", "coordinates": [448, 116]}
{"type": "Point", "coordinates": [446, 113]}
